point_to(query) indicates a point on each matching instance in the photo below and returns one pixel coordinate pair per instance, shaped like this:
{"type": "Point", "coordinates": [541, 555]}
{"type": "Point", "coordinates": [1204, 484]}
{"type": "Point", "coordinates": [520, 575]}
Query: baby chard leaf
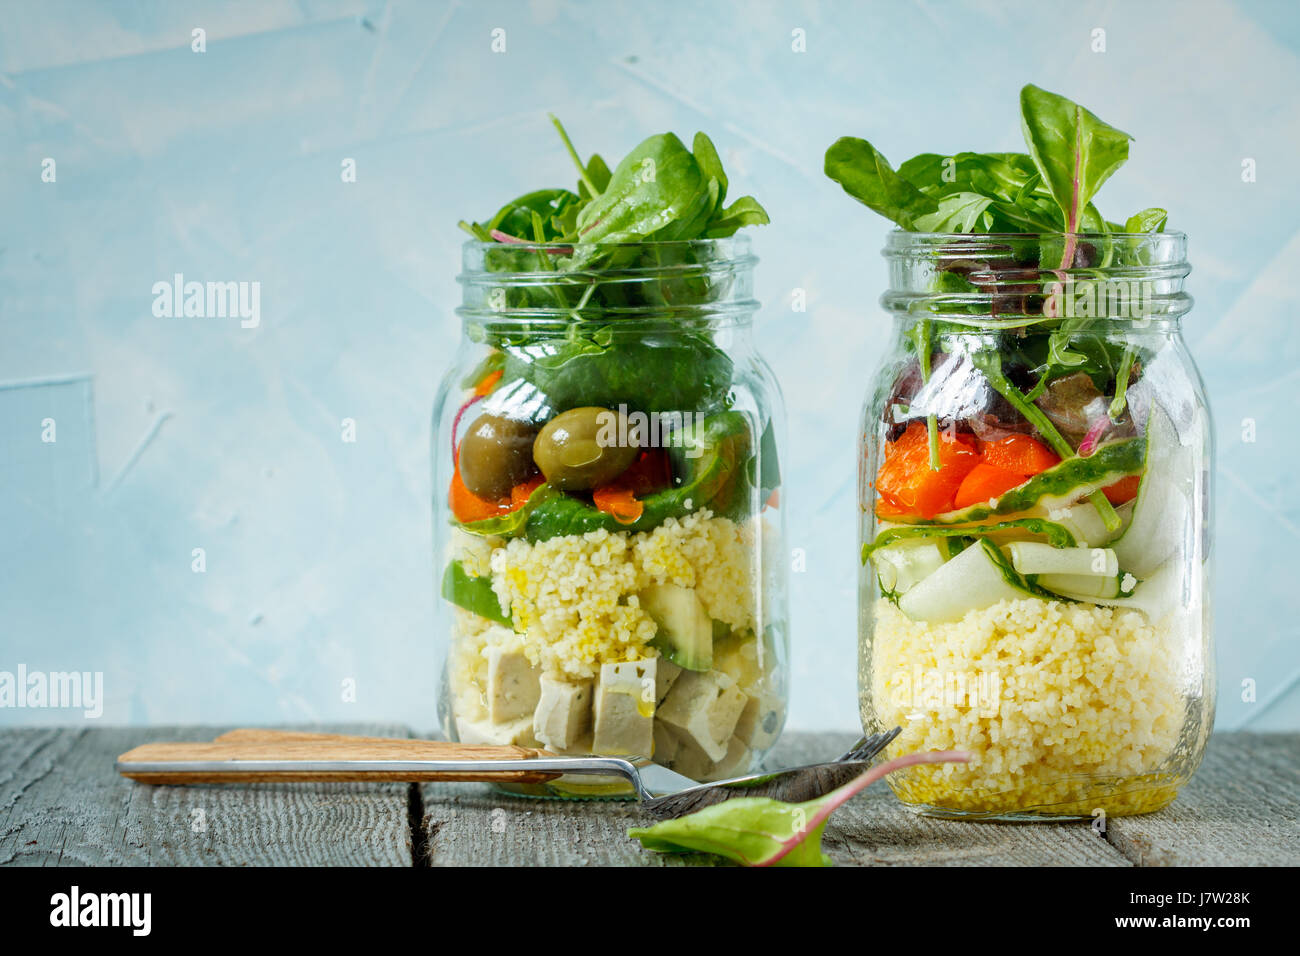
{"type": "Point", "coordinates": [758, 831]}
{"type": "Point", "coordinates": [1074, 151]}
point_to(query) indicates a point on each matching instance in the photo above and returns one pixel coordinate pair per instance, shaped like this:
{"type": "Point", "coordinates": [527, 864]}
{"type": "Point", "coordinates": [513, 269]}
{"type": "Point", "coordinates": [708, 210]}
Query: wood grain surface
{"type": "Point", "coordinates": [62, 803]}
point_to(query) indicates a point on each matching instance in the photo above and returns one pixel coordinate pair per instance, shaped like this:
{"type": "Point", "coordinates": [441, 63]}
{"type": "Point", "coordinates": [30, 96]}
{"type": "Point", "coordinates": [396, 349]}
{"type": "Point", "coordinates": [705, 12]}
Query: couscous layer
{"type": "Point", "coordinates": [1065, 707]}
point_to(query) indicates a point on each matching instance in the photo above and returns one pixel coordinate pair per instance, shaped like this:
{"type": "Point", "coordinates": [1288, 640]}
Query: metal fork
{"type": "Point", "coordinates": [261, 756]}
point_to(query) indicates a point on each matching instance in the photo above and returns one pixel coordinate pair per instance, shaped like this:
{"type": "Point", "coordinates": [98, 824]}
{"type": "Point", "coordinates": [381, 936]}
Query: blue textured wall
{"type": "Point", "coordinates": [177, 434]}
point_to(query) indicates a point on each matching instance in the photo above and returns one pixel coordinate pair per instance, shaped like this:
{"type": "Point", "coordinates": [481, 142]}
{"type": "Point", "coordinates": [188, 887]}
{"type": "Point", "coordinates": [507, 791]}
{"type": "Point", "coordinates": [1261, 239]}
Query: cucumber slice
{"type": "Point", "coordinates": [685, 629]}
{"type": "Point", "coordinates": [900, 566]}
{"type": "Point", "coordinates": [1162, 508]}
{"type": "Point", "coordinates": [1087, 526]}
{"type": "Point", "coordinates": [1033, 557]}
{"type": "Point", "coordinates": [1081, 587]}
{"type": "Point", "coordinates": [1155, 597]}
{"type": "Point", "coordinates": [977, 578]}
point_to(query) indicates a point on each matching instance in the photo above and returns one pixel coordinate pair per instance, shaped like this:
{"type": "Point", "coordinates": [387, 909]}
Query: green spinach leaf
{"type": "Point", "coordinates": [865, 174]}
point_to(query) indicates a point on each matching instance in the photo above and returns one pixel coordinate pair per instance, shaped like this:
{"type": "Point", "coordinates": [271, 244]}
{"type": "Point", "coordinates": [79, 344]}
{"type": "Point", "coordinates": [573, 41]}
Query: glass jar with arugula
{"type": "Point", "coordinates": [1034, 484]}
{"type": "Point", "coordinates": [607, 517]}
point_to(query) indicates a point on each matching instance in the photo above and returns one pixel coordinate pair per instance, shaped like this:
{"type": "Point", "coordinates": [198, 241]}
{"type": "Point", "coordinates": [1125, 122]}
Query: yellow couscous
{"type": "Point", "coordinates": [573, 598]}
{"type": "Point", "coordinates": [1071, 707]}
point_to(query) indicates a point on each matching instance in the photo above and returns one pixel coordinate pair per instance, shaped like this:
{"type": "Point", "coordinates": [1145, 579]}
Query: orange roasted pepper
{"type": "Point", "coordinates": [651, 472]}
{"type": "Point", "coordinates": [1125, 489]}
{"type": "Point", "coordinates": [983, 482]}
{"type": "Point", "coordinates": [1019, 454]}
{"type": "Point", "coordinates": [907, 485]}
{"type": "Point", "coordinates": [467, 506]}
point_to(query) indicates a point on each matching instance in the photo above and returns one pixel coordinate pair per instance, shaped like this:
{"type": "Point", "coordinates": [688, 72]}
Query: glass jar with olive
{"type": "Point", "coordinates": [607, 516]}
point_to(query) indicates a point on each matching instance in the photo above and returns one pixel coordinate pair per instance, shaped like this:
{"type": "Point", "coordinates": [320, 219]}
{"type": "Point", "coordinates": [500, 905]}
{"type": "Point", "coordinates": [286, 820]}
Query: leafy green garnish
{"type": "Point", "coordinates": [622, 245]}
{"type": "Point", "coordinates": [1046, 191]}
{"type": "Point", "coordinates": [758, 831]}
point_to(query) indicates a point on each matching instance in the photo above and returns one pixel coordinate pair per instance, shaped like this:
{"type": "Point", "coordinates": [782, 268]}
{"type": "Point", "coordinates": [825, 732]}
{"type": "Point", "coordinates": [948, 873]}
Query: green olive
{"type": "Point", "coordinates": [496, 455]}
{"type": "Point", "coordinates": [584, 448]}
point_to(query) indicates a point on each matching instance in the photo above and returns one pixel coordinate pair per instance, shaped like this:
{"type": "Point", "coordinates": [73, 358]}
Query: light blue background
{"type": "Point", "coordinates": [175, 434]}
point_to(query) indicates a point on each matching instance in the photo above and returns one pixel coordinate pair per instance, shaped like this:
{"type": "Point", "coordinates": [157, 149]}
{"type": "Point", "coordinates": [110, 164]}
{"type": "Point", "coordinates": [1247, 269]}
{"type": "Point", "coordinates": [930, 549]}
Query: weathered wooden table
{"type": "Point", "coordinates": [61, 803]}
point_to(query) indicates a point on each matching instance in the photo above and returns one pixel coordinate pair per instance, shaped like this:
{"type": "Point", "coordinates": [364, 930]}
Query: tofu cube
{"type": "Point", "coordinates": [760, 721]}
{"type": "Point", "coordinates": [665, 743]}
{"type": "Point", "coordinates": [624, 710]}
{"type": "Point", "coordinates": [735, 762]}
{"type": "Point", "coordinates": [519, 732]}
{"type": "Point", "coordinates": [563, 712]}
{"type": "Point", "coordinates": [691, 761]}
{"type": "Point", "coordinates": [704, 707]}
{"type": "Point", "coordinates": [665, 674]}
{"type": "Point", "coordinates": [514, 686]}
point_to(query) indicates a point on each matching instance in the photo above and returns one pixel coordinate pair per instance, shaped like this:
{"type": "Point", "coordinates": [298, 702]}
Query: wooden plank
{"type": "Point", "coordinates": [473, 825]}
{"type": "Point", "coordinates": [1241, 809]}
{"type": "Point", "coordinates": [61, 803]}
{"type": "Point", "coordinates": [876, 830]}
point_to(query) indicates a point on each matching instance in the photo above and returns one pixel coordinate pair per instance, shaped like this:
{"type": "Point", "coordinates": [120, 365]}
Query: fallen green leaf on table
{"type": "Point", "coordinates": [758, 831]}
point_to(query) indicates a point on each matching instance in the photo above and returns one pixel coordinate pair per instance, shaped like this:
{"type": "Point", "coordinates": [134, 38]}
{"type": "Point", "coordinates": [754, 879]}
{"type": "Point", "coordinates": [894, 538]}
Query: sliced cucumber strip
{"type": "Point", "coordinates": [1033, 557]}
{"type": "Point", "coordinates": [1081, 587]}
{"type": "Point", "coordinates": [1082, 521]}
{"type": "Point", "coordinates": [1156, 597]}
{"type": "Point", "coordinates": [1162, 508]}
{"type": "Point", "coordinates": [1056, 535]}
{"type": "Point", "coordinates": [902, 565]}
{"type": "Point", "coordinates": [975, 579]}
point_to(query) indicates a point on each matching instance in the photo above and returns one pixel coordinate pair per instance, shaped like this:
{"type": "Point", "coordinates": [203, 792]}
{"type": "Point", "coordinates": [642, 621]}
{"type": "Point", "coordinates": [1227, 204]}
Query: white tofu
{"type": "Point", "coordinates": [563, 713]}
{"type": "Point", "coordinates": [624, 710]}
{"type": "Point", "coordinates": [735, 762]}
{"type": "Point", "coordinates": [760, 721]}
{"type": "Point", "coordinates": [665, 674]}
{"type": "Point", "coordinates": [665, 743]}
{"type": "Point", "coordinates": [514, 686]}
{"type": "Point", "coordinates": [691, 761]}
{"type": "Point", "coordinates": [704, 707]}
{"type": "Point", "coordinates": [518, 732]}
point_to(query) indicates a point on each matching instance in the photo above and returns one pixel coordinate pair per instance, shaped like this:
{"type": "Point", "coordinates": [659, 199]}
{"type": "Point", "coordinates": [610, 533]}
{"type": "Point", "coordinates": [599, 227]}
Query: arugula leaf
{"type": "Point", "coordinates": [865, 174]}
{"type": "Point", "coordinates": [958, 212]}
{"type": "Point", "coordinates": [758, 831]}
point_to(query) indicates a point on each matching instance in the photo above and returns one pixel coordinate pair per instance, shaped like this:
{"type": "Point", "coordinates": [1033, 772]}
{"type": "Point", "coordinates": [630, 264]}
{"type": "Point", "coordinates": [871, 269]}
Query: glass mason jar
{"type": "Point", "coordinates": [1035, 526]}
{"type": "Point", "coordinates": [607, 521]}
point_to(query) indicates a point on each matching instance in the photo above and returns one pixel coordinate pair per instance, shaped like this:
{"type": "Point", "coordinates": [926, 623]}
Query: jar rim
{"type": "Point", "coordinates": [1173, 243]}
{"type": "Point", "coordinates": [733, 249]}
{"type": "Point", "coordinates": [1031, 277]}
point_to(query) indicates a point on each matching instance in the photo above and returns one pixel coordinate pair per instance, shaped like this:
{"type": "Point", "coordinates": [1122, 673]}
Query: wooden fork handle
{"type": "Point", "coordinates": [301, 747]}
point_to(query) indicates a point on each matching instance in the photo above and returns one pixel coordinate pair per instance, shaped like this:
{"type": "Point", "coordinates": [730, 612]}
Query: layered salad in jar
{"type": "Point", "coordinates": [1032, 479]}
{"type": "Point", "coordinates": [611, 558]}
